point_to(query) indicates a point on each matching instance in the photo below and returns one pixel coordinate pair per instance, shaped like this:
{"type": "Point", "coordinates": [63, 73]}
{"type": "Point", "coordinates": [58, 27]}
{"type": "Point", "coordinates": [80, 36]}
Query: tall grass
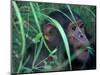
{"type": "Point", "coordinates": [33, 32]}
{"type": "Point", "coordinates": [22, 33]}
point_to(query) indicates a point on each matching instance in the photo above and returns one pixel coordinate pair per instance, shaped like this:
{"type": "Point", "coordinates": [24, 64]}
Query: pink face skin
{"type": "Point", "coordinates": [78, 39]}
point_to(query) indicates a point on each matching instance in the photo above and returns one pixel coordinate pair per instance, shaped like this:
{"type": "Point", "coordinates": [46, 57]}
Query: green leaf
{"type": "Point", "coordinates": [37, 37]}
{"type": "Point", "coordinates": [54, 51]}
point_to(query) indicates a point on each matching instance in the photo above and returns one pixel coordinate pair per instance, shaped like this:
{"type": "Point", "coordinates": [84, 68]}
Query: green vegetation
{"type": "Point", "coordinates": [27, 18]}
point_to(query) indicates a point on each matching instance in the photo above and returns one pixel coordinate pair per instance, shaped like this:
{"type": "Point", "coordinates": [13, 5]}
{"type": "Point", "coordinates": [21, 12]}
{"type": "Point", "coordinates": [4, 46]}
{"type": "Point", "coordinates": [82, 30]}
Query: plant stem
{"type": "Point", "coordinates": [22, 33]}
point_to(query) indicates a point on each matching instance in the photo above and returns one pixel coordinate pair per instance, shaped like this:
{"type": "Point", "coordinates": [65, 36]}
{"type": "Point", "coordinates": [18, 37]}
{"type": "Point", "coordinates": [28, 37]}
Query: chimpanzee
{"type": "Point", "coordinates": [78, 39]}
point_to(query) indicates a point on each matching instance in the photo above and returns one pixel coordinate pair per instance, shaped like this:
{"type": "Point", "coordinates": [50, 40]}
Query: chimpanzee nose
{"type": "Point", "coordinates": [81, 36]}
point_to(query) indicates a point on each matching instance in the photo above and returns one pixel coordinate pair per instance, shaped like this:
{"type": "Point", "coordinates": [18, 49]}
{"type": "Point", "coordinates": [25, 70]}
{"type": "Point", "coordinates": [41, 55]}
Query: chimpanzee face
{"type": "Point", "coordinates": [78, 39]}
{"type": "Point", "coordinates": [76, 35]}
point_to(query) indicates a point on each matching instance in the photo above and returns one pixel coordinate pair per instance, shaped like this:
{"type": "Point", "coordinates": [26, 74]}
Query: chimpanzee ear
{"type": "Point", "coordinates": [46, 30]}
{"type": "Point", "coordinates": [47, 27]}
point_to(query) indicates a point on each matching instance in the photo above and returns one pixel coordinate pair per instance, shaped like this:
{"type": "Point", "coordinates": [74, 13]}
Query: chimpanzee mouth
{"type": "Point", "coordinates": [82, 53]}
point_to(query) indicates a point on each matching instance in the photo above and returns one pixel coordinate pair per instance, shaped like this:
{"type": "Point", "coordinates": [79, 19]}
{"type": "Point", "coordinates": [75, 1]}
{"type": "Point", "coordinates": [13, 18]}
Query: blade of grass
{"type": "Point", "coordinates": [38, 25]}
{"type": "Point", "coordinates": [35, 49]}
{"type": "Point", "coordinates": [37, 7]}
{"type": "Point", "coordinates": [22, 33]}
{"type": "Point", "coordinates": [35, 16]}
{"type": "Point", "coordinates": [27, 59]}
{"type": "Point", "coordinates": [59, 11]}
{"type": "Point", "coordinates": [71, 14]}
{"type": "Point", "coordinates": [37, 37]}
{"type": "Point", "coordinates": [89, 10]}
{"type": "Point", "coordinates": [54, 51]}
{"type": "Point", "coordinates": [63, 35]}
{"type": "Point", "coordinates": [38, 52]}
{"type": "Point", "coordinates": [27, 69]}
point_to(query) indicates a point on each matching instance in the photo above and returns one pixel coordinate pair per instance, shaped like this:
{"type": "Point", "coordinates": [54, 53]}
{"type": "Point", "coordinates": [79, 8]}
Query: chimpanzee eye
{"type": "Point", "coordinates": [73, 28]}
{"type": "Point", "coordinates": [81, 26]}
